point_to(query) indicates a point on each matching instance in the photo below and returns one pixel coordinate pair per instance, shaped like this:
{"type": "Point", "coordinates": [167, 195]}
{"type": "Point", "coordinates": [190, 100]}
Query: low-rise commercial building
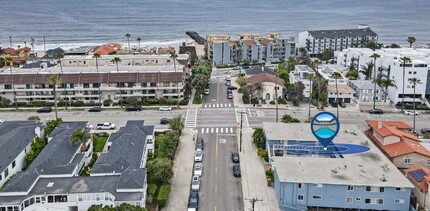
{"type": "Point", "coordinates": [304, 180]}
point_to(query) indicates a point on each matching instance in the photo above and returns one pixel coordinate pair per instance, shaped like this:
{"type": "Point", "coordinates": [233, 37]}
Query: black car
{"type": "Point", "coordinates": [376, 111]}
{"type": "Point", "coordinates": [164, 121]}
{"type": "Point", "coordinates": [95, 109]}
{"type": "Point", "coordinates": [333, 103]}
{"type": "Point", "coordinates": [231, 88]}
{"type": "Point", "coordinates": [342, 104]}
{"type": "Point", "coordinates": [133, 108]}
{"type": "Point", "coordinates": [194, 200]}
{"type": "Point", "coordinates": [229, 91]}
{"type": "Point", "coordinates": [236, 171]}
{"type": "Point", "coordinates": [425, 130]}
{"type": "Point", "coordinates": [44, 110]}
{"type": "Point", "coordinates": [199, 143]}
{"type": "Point", "coordinates": [235, 157]}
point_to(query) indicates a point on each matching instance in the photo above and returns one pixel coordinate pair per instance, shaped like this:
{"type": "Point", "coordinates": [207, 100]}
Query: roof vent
{"type": "Point", "coordinates": [379, 124]}
{"type": "Point", "coordinates": [383, 178]}
{"type": "Point", "coordinates": [50, 185]}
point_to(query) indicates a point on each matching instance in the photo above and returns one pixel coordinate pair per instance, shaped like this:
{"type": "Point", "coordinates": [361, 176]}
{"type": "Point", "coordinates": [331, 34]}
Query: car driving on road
{"type": "Point", "coordinates": [95, 109]}
{"type": "Point", "coordinates": [44, 110]}
{"type": "Point", "coordinates": [105, 126]}
{"type": "Point", "coordinates": [376, 111]}
{"type": "Point", "coordinates": [133, 108]}
{"type": "Point", "coordinates": [164, 121]}
{"type": "Point", "coordinates": [165, 108]}
{"type": "Point", "coordinates": [411, 112]}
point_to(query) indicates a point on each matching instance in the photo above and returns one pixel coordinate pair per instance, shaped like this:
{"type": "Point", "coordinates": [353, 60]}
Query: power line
{"type": "Point", "coordinates": [253, 200]}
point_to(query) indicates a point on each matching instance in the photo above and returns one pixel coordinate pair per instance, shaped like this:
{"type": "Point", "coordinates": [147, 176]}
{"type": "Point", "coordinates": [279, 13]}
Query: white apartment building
{"type": "Point", "coordinates": [130, 60]}
{"type": "Point", "coordinates": [83, 83]}
{"type": "Point", "coordinates": [389, 65]}
{"type": "Point", "coordinates": [299, 74]}
{"type": "Point", "coordinates": [346, 93]}
{"type": "Point", "coordinates": [317, 41]}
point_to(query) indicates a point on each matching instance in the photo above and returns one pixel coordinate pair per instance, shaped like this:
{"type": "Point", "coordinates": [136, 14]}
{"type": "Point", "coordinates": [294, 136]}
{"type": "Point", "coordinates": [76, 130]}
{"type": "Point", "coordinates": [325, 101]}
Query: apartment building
{"type": "Point", "coordinates": [390, 66]}
{"type": "Point", "coordinates": [52, 182]}
{"type": "Point", "coordinates": [83, 83]}
{"type": "Point", "coordinates": [396, 140]}
{"type": "Point", "coordinates": [317, 41]}
{"type": "Point", "coordinates": [130, 60]}
{"type": "Point", "coordinates": [300, 74]}
{"type": "Point", "coordinates": [307, 181]}
{"type": "Point", "coordinates": [364, 91]}
{"type": "Point", "coordinates": [223, 50]}
{"type": "Point", "coordinates": [15, 143]}
{"type": "Point", "coordinates": [334, 86]}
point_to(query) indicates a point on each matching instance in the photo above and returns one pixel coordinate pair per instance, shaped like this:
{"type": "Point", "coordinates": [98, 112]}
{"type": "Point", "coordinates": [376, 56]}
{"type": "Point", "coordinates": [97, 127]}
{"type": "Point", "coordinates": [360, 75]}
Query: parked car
{"type": "Point", "coordinates": [133, 108]}
{"type": "Point", "coordinates": [195, 183]}
{"type": "Point", "coordinates": [198, 157]}
{"type": "Point", "coordinates": [376, 111]}
{"type": "Point", "coordinates": [231, 88]}
{"type": "Point", "coordinates": [44, 110]}
{"type": "Point", "coordinates": [207, 92]}
{"type": "Point", "coordinates": [425, 130]}
{"type": "Point", "coordinates": [230, 96]}
{"type": "Point", "coordinates": [199, 143]}
{"type": "Point", "coordinates": [228, 83]}
{"type": "Point", "coordinates": [95, 109]}
{"type": "Point", "coordinates": [105, 126]}
{"type": "Point", "coordinates": [165, 108]}
{"type": "Point", "coordinates": [193, 202]}
{"type": "Point", "coordinates": [229, 91]}
{"type": "Point", "coordinates": [164, 121]}
{"type": "Point", "coordinates": [236, 171]}
{"type": "Point", "coordinates": [342, 104]}
{"type": "Point", "coordinates": [411, 112]}
{"type": "Point", "coordinates": [236, 68]}
{"type": "Point", "coordinates": [235, 157]}
{"type": "Point", "coordinates": [198, 169]}
{"type": "Point", "coordinates": [226, 71]}
{"type": "Point", "coordinates": [333, 103]}
{"type": "Point", "coordinates": [228, 78]}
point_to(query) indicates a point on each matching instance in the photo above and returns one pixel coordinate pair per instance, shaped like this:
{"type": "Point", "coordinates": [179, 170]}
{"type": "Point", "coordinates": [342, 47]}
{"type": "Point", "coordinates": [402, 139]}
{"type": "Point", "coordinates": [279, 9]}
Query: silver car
{"type": "Point", "coordinates": [198, 157]}
{"type": "Point", "coordinates": [195, 183]}
{"type": "Point", "coordinates": [198, 169]}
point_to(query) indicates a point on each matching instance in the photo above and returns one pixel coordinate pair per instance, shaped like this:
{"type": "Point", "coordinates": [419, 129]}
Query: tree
{"type": "Point", "coordinates": [374, 56]}
{"type": "Point", "coordinates": [97, 56]}
{"type": "Point", "coordinates": [282, 72]}
{"type": "Point", "coordinates": [352, 73]}
{"type": "Point", "coordinates": [295, 92]}
{"type": "Point", "coordinates": [241, 81]}
{"type": "Point", "coordinates": [80, 136]}
{"type": "Point", "coordinates": [394, 45]}
{"type": "Point", "coordinates": [303, 52]}
{"type": "Point", "coordinates": [367, 70]}
{"type": "Point", "coordinates": [411, 41]}
{"type": "Point", "coordinates": [387, 83]}
{"type": "Point", "coordinates": [138, 41]}
{"type": "Point", "coordinates": [291, 63]}
{"type": "Point", "coordinates": [177, 124]}
{"type": "Point", "coordinates": [258, 138]}
{"type": "Point", "coordinates": [117, 60]}
{"type": "Point", "coordinates": [254, 61]}
{"type": "Point", "coordinates": [326, 54]}
{"type": "Point", "coordinates": [53, 81]}
{"type": "Point", "coordinates": [128, 39]}
{"type": "Point", "coordinates": [34, 118]}
{"type": "Point", "coordinates": [414, 81]}
{"type": "Point", "coordinates": [174, 56]}
{"type": "Point", "coordinates": [289, 119]}
{"type": "Point", "coordinates": [32, 44]}
{"type": "Point", "coordinates": [60, 56]}
{"type": "Point", "coordinates": [372, 45]}
{"type": "Point", "coordinates": [310, 77]}
{"type": "Point", "coordinates": [9, 60]}
{"type": "Point", "coordinates": [121, 207]}
{"type": "Point", "coordinates": [405, 60]}
{"type": "Point", "coordinates": [160, 169]}
{"type": "Point", "coordinates": [199, 81]}
{"type": "Point", "coordinates": [336, 76]}
{"type": "Point", "coordinates": [252, 90]}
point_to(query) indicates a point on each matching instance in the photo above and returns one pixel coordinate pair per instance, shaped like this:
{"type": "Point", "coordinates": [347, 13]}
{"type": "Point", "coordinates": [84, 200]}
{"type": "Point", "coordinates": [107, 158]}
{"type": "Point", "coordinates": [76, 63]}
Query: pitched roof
{"type": "Point", "coordinates": [108, 48]}
{"type": "Point", "coordinates": [265, 77]}
{"type": "Point", "coordinates": [249, 42]}
{"type": "Point", "coordinates": [254, 70]}
{"type": "Point", "coordinates": [423, 184]}
{"type": "Point", "coordinates": [396, 128]}
{"type": "Point", "coordinates": [52, 53]}
{"type": "Point", "coordinates": [341, 33]}
{"type": "Point", "coordinates": [266, 41]}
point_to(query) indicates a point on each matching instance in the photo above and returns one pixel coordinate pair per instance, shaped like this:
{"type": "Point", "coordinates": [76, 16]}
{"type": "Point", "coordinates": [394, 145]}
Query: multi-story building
{"type": "Point", "coordinates": [300, 74]}
{"type": "Point", "coordinates": [364, 91]}
{"type": "Point", "coordinates": [130, 60]}
{"type": "Point", "coordinates": [83, 83]}
{"type": "Point", "coordinates": [317, 41]}
{"type": "Point", "coordinates": [15, 143]}
{"type": "Point", "coordinates": [420, 177]}
{"type": "Point", "coordinates": [390, 66]}
{"type": "Point", "coordinates": [303, 180]}
{"type": "Point", "coordinates": [222, 50]}
{"type": "Point", "coordinates": [396, 140]}
{"type": "Point", "coordinates": [52, 181]}
{"type": "Point", "coordinates": [334, 86]}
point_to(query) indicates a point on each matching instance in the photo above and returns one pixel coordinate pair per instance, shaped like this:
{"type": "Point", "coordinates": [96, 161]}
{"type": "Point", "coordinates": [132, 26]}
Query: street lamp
{"type": "Point", "coordinates": [240, 137]}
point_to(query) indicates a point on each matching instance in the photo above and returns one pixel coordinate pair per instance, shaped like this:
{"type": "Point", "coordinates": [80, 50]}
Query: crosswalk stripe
{"type": "Point", "coordinates": [231, 130]}
{"type": "Point", "coordinates": [222, 130]}
{"type": "Point", "coordinates": [222, 105]}
{"type": "Point", "coordinates": [203, 131]}
{"type": "Point", "coordinates": [212, 130]}
{"type": "Point", "coordinates": [216, 130]}
{"type": "Point", "coordinates": [207, 130]}
{"type": "Point", "coordinates": [229, 105]}
{"type": "Point", "coordinates": [217, 105]}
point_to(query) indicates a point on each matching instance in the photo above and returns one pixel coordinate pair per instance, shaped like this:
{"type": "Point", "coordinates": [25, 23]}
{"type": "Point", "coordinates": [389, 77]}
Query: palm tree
{"type": "Point", "coordinates": [9, 60]}
{"type": "Point", "coordinates": [97, 56]}
{"type": "Point", "coordinates": [128, 40]}
{"type": "Point", "coordinates": [405, 60]}
{"type": "Point", "coordinates": [386, 83]}
{"type": "Point", "coordinates": [310, 77]}
{"type": "Point", "coordinates": [80, 136]}
{"type": "Point", "coordinates": [374, 56]}
{"type": "Point", "coordinates": [316, 63]}
{"type": "Point", "coordinates": [367, 70]}
{"type": "Point", "coordinates": [138, 41]}
{"type": "Point", "coordinates": [173, 56]}
{"type": "Point", "coordinates": [53, 81]}
{"type": "Point", "coordinates": [116, 60]}
{"type": "Point", "coordinates": [336, 76]}
{"type": "Point", "coordinates": [411, 41]}
{"type": "Point", "coordinates": [414, 82]}
{"type": "Point", "coordinates": [59, 57]}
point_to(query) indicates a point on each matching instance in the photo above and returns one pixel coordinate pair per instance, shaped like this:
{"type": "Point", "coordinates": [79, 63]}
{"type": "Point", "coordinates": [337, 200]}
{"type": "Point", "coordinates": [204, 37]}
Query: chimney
{"type": "Point", "coordinates": [379, 124]}
{"type": "Point", "coordinates": [37, 131]}
{"type": "Point", "coordinates": [262, 68]}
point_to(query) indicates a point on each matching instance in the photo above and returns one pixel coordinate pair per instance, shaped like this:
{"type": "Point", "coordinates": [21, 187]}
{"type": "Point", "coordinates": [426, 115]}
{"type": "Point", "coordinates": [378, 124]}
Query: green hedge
{"type": "Point", "coordinates": [163, 195]}
{"type": "Point", "coordinates": [152, 189]}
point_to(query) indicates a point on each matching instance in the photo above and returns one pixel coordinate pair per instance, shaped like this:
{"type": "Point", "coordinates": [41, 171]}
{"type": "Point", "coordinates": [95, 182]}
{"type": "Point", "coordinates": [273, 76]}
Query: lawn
{"type": "Point", "coordinates": [99, 143]}
{"type": "Point", "coordinates": [159, 143]}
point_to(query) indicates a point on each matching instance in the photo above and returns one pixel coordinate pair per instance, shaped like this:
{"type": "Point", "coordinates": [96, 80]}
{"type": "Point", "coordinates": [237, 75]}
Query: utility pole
{"type": "Point", "coordinates": [10, 41]}
{"type": "Point", "coordinates": [276, 101]}
{"type": "Point", "coordinates": [253, 200]}
{"type": "Point", "coordinates": [240, 137]}
{"type": "Point", "coordinates": [44, 44]}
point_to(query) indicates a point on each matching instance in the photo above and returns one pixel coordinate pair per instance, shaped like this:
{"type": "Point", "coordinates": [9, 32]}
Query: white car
{"type": "Point", "coordinates": [198, 157]}
{"type": "Point", "coordinates": [228, 78]}
{"type": "Point", "coordinates": [410, 112]}
{"type": "Point", "coordinates": [198, 169]}
{"type": "Point", "coordinates": [195, 183]}
{"type": "Point", "coordinates": [165, 108]}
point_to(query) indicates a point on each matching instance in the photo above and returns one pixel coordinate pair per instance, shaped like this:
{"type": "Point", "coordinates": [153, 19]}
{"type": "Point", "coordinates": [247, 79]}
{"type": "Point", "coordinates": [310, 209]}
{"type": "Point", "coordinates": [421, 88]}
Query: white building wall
{"type": "Point", "coordinates": [19, 164]}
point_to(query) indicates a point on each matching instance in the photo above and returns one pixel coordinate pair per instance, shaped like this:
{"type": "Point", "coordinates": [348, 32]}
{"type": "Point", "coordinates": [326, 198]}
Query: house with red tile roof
{"type": "Point", "coordinates": [108, 48]}
{"type": "Point", "coordinates": [397, 142]}
{"type": "Point", "coordinates": [269, 83]}
{"type": "Point", "coordinates": [19, 55]}
{"type": "Point", "coordinates": [420, 177]}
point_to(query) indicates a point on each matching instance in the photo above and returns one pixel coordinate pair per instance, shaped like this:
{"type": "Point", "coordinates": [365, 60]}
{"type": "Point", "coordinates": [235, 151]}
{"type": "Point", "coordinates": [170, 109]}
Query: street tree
{"type": "Point", "coordinates": [160, 169]}
{"type": "Point", "coordinates": [411, 41]}
{"type": "Point", "coordinates": [414, 81]}
{"type": "Point", "coordinates": [405, 60]}
{"type": "Point", "coordinates": [53, 81]}
{"type": "Point", "coordinates": [295, 92]}
{"type": "Point", "coordinates": [117, 60]}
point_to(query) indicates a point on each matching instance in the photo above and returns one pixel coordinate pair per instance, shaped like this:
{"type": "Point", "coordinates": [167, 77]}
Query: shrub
{"type": "Point", "coordinates": [152, 189]}
{"type": "Point", "coordinates": [107, 102]}
{"type": "Point", "coordinates": [34, 117]}
{"type": "Point", "coordinates": [21, 104]}
{"type": "Point", "coordinates": [261, 152]}
{"type": "Point", "coordinates": [245, 99]}
{"type": "Point", "coordinates": [427, 135]}
{"type": "Point", "coordinates": [258, 138]}
{"type": "Point", "coordinates": [183, 102]}
{"type": "Point", "coordinates": [270, 174]}
{"type": "Point", "coordinates": [289, 119]}
{"type": "Point", "coordinates": [272, 102]}
{"type": "Point", "coordinates": [281, 100]}
{"type": "Point", "coordinates": [163, 195]}
{"type": "Point", "coordinates": [77, 103]}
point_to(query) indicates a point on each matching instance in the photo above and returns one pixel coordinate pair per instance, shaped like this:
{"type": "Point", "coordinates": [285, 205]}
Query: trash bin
{"type": "Point", "coordinates": [269, 182]}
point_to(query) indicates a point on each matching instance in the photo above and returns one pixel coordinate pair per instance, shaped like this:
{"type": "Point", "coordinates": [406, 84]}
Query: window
{"type": "Point", "coordinates": [358, 199]}
{"type": "Point", "coordinates": [349, 199]}
{"type": "Point", "coordinates": [350, 187]}
{"type": "Point", "coordinates": [301, 185]}
{"type": "Point", "coordinates": [410, 72]}
{"type": "Point", "coordinates": [365, 91]}
{"type": "Point", "coordinates": [317, 197]}
{"type": "Point", "coordinates": [13, 164]}
{"type": "Point", "coordinates": [359, 186]}
{"type": "Point", "coordinates": [399, 201]}
{"type": "Point", "coordinates": [300, 197]}
{"type": "Point", "coordinates": [7, 86]}
{"type": "Point", "coordinates": [143, 84]}
{"type": "Point", "coordinates": [400, 189]}
{"type": "Point", "coordinates": [166, 84]}
{"type": "Point", "coordinates": [374, 189]}
{"type": "Point", "coordinates": [428, 163]}
{"type": "Point", "coordinates": [374, 201]}
{"type": "Point", "coordinates": [407, 160]}
{"type": "Point", "coordinates": [415, 72]}
{"type": "Point", "coordinates": [318, 185]}
{"type": "Point", "coordinates": [6, 172]}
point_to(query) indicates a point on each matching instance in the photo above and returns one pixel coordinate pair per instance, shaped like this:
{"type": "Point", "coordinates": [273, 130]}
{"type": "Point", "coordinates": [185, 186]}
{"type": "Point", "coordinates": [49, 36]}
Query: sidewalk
{"type": "Point", "coordinates": [254, 183]}
{"type": "Point", "coordinates": [183, 170]}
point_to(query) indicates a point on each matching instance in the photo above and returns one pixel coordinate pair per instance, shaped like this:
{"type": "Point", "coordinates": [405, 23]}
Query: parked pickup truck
{"type": "Point", "coordinates": [105, 126]}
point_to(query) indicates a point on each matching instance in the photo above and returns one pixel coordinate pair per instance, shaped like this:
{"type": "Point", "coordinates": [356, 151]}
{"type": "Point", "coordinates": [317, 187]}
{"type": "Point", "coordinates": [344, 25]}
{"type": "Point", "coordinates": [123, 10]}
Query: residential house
{"type": "Point", "coordinates": [364, 91]}
{"type": "Point", "coordinates": [300, 74]}
{"type": "Point", "coordinates": [273, 86]}
{"type": "Point", "coordinates": [82, 50]}
{"type": "Point", "coordinates": [335, 86]}
{"type": "Point", "coordinates": [19, 55]}
{"type": "Point", "coordinates": [107, 48]}
{"type": "Point", "coordinates": [420, 177]}
{"type": "Point", "coordinates": [51, 54]}
{"type": "Point", "coordinates": [396, 140]}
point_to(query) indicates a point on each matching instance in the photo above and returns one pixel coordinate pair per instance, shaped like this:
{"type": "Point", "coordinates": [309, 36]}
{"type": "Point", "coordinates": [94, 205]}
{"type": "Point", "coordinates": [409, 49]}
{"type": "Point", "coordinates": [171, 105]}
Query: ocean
{"type": "Point", "coordinates": [69, 23]}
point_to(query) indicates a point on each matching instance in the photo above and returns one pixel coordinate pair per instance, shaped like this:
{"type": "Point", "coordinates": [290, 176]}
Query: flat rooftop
{"type": "Point", "coordinates": [137, 56]}
{"type": "Point", "coordinates": [360, 169]}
